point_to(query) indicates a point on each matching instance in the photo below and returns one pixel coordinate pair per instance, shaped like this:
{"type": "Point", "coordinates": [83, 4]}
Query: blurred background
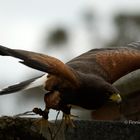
{"type": "Point", "coordinates": [63, 29]}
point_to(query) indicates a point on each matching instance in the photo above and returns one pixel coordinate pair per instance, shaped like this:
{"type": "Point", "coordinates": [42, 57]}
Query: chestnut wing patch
{"type": "Point", "coordinates": [119, 62]}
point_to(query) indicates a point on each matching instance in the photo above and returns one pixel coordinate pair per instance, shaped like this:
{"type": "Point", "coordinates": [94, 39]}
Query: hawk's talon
{"type": "Point", "coordinates": [43, 123]}
{"type": "Point", "coordinates": [68, 120]}
{"type": "Point", "coordinates": [42, 113]}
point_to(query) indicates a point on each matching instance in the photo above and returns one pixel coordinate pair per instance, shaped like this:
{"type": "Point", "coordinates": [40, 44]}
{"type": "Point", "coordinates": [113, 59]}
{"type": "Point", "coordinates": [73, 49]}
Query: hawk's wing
{"type": "Point", "coordinates": [41, 62]}
{"type": "Point", "coordinates": [109, 63]}
{"type": "Point", "coordinates": [28, 84]}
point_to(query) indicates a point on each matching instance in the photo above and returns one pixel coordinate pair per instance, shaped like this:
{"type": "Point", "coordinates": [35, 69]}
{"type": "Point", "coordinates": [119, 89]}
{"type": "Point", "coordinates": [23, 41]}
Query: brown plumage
{"type": "Point", "coordinates": [84, 81]}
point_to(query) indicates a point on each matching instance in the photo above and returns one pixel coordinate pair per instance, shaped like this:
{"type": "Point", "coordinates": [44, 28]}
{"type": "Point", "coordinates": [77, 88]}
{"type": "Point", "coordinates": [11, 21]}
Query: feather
{"type": "Point", "coordinates": [25, 85]}
{"type": "Point", "coordinates": [41, 62]}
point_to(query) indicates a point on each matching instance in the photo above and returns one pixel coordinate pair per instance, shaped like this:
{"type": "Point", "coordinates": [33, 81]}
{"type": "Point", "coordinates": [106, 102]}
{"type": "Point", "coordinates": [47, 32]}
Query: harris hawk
{"type": "Point", "coordinates": [85, 81]}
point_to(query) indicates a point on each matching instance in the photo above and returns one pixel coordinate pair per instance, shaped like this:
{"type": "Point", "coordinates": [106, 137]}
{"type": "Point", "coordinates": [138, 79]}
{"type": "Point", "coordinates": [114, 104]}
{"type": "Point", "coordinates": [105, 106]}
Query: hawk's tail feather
{"type": "Point", "coordinates": [28, 84]}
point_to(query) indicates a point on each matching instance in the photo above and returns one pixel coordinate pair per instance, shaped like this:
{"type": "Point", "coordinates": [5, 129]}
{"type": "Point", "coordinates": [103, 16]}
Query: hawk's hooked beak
{"type": "Point", "coordinates": [115, 98]}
